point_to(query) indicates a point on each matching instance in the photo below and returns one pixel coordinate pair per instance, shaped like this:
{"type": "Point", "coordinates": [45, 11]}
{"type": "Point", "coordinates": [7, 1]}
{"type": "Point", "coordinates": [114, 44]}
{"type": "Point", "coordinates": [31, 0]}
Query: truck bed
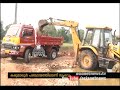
{"type": "Point", "coordinates": [49, 40]}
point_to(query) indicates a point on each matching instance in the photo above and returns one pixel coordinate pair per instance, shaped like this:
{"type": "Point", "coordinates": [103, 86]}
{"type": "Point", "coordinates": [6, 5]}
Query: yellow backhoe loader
{"type": "Point", "coordinates": [95, 50]}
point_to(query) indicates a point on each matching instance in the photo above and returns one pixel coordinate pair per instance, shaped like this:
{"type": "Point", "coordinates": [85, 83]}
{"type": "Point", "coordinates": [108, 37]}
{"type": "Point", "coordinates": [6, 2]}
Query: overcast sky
{"type": "Point", "coordinates": [106, 14]}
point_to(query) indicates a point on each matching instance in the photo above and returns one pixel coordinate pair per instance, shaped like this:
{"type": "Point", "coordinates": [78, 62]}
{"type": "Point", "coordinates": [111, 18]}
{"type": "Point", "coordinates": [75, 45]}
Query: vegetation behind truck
{"type": "Point", "coordinates": [24, 41]}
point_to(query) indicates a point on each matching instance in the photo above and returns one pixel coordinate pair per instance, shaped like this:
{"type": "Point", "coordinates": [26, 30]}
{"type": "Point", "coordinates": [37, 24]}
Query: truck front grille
{"type": "Point", "coordinates": [8, 46]}
{"type": "Point", "coordinates": [11, 46]}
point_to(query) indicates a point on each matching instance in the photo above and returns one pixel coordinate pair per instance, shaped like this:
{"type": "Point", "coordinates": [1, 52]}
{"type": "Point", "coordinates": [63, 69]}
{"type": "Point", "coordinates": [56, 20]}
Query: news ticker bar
{"type": "Point", "coordinates": [61, 74]}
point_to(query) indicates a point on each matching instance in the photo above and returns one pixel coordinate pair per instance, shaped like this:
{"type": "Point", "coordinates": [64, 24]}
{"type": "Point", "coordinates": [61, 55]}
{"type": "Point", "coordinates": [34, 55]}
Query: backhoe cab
{"type": "Point", "coordinates": [99, 49]}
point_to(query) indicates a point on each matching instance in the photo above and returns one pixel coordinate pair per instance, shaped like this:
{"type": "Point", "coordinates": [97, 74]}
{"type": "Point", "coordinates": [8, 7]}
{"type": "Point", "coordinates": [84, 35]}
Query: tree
{"type": "Point", "coordinates": [7, 27]}
{"type": "Point", "coordinates": [69, 38]}
{"type": "Point", "coordinates": [50, 30]}
{"type": "Point", "coordinates": [2, 30]}
{"type": "Point", "coordinates": [81, 34]}
{"type": "Point", "coordinates": [64, 33]}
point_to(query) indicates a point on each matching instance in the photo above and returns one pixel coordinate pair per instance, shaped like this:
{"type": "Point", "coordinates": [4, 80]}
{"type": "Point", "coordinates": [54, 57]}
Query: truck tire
{"type": "Point", "coordinates": [13, 57]}
{"type": "Point", "coordinates": [52, 55]}
{"type": "Point", "coordinates": [27, 56]}
{"type": "Point", "coordinates": [88, 60]}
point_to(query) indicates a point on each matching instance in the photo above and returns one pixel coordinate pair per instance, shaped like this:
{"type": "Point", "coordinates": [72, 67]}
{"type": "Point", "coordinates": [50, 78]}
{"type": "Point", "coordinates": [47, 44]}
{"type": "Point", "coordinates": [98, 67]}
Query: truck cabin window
{"type": "Point", "coordinates": [27, 33]}
{"type": "Point", "coordinates": [13, 31]}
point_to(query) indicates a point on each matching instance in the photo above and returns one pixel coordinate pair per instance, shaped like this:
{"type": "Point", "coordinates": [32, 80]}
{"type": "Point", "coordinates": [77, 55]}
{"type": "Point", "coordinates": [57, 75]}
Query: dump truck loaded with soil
{"type": "Point", "coordinates": [24, 41]}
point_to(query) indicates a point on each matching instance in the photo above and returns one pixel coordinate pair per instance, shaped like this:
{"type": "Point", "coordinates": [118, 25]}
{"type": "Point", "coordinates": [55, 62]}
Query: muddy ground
{"type": "Point", "coordinates": [63, 63]}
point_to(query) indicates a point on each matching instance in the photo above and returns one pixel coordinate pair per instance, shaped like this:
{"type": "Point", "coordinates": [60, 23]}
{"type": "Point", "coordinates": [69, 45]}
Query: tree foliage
{"type": "Point", "coordinates": [7, 27]}
{"type": "Point", "coordinates": [50, 30]}
{"type": "Point", "coordinates": [81, 34]}
{"type": "Point", "coordinates": [62, 32]}
{"type": "Point", "coordinates": [3, 31]}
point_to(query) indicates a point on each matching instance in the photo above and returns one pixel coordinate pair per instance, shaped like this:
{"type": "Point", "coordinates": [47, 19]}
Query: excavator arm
{"type": "Point", "coordinates": [73, 26]}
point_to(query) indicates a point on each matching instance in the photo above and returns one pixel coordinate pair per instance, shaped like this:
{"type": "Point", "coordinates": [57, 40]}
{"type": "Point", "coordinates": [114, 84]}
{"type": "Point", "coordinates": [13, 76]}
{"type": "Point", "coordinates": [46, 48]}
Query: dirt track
{"type": "Point", "coordinates": [63, 63]}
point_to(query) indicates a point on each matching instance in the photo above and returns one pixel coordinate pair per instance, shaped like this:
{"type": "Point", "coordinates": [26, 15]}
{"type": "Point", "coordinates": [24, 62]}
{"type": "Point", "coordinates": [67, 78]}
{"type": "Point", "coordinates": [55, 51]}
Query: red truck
{"type": "Point", "coordinates": [24, 41]}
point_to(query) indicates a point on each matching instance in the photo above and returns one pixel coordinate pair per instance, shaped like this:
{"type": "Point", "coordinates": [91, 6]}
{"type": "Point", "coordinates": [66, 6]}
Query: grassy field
{"type": "Point", "coordinates": [66, 46]}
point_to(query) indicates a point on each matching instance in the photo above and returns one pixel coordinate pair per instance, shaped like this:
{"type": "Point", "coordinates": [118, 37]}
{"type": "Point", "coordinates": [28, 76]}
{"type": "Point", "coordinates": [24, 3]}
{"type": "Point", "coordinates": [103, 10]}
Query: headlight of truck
{"type": "Point", "coordinates": [16, 47]}
{"type": "Point", "coordinates": [13, 47]}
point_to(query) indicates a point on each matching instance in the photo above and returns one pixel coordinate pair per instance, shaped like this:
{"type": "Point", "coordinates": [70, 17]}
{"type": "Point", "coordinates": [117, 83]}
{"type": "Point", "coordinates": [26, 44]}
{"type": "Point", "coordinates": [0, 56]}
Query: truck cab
{"type": "Point", "coordinates": [17, 36]}
{"type": "Point", "coordinates": [21, 40]}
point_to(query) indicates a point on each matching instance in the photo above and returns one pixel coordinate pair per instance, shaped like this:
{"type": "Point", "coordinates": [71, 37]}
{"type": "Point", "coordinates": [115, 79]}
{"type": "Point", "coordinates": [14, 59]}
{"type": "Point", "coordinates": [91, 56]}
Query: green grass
{"type": "Point", "coordinates": [66, 46]}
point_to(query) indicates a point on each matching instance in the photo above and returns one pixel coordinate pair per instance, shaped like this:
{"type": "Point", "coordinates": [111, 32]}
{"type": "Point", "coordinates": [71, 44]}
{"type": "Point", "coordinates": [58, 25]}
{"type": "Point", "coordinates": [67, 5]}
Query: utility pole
{"type": "Point", "coordinates": [15, 21]}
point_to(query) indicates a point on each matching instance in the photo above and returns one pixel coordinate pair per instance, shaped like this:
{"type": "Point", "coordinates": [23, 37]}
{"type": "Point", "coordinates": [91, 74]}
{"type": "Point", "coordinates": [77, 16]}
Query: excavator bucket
{"type": "Point", "coordinates": [41, 24]}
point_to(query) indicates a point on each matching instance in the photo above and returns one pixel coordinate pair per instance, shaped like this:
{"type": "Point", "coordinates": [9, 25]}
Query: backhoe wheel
{"type": "Point", "coordinates": [88, 60]}
{"type": "Point", "coordinates": [116, 68]}
{"type": "Point", "coordinates": [13, 57]}
{"type": "Point", "coordinates": [27, 56]}
{"type": "Point", "coordinates": [52, 55]}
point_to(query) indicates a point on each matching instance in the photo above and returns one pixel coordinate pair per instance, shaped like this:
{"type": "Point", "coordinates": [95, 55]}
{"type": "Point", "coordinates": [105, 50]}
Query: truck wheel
{"type": "Point", "coordinates": [52, 55]}
{"type": "Point", "coordinates": [116, 68]}
{"type": "Point", "coordinates": [27, 56]}
{"type": "Point", "coordinates": [88, 60]}
{"type": "Point", "coordinates": [13, 57]}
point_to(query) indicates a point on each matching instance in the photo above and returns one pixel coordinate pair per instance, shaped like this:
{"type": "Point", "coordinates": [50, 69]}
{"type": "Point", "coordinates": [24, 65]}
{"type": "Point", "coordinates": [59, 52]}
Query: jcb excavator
{"type": "Point", "coordinates": [95, 50]}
